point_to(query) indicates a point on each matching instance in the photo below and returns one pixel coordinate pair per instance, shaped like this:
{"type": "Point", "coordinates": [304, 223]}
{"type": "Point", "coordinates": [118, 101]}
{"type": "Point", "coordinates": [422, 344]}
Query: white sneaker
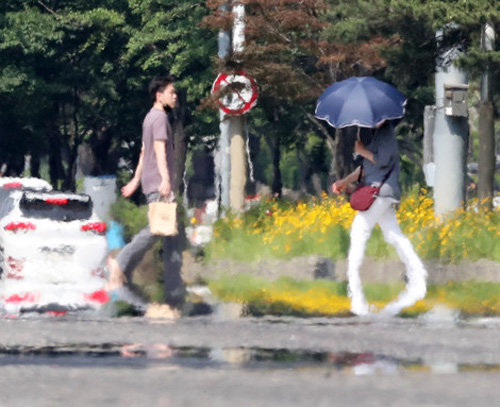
{"type": "Point", "coordinates": [390, 310]}
{"type": "Point", "coordinates": [359, 306]}
{"type": "Point", "coordinates": [417, 289]}
{"type": "Point", "coordinates": [405, 300]}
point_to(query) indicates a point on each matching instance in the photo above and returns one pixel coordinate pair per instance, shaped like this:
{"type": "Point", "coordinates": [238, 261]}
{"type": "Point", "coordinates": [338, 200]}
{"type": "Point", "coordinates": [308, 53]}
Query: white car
{"type": "Point", "coordinates": [53, 249]}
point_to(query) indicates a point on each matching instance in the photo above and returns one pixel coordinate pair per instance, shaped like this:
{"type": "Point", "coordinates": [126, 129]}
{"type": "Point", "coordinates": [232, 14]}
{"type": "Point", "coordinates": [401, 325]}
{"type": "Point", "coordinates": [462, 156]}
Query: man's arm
{"type": "Point", "coordinates": [165, 187]}
{"type": "Point", "coordinates": [134, 183]}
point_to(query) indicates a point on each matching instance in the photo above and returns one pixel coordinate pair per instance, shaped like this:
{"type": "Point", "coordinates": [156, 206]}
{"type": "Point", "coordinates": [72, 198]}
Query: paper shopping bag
{"type": "Point", "coordinates": [163, 218]}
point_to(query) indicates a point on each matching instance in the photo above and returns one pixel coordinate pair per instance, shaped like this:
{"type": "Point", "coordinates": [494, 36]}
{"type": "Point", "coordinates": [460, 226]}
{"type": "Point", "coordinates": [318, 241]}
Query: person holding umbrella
{"type": "Point", "coordinates": [380, 168]}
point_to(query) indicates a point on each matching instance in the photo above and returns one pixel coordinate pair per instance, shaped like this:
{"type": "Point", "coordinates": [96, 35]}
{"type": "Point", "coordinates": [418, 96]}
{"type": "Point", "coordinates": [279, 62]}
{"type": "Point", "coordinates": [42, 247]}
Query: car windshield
{"type": "Point", "coordinates": [56, 206]}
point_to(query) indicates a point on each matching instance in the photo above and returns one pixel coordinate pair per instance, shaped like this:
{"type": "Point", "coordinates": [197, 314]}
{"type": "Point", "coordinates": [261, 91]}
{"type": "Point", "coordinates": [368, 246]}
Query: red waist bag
{"type": "Point", "coordinates": [363, 197]}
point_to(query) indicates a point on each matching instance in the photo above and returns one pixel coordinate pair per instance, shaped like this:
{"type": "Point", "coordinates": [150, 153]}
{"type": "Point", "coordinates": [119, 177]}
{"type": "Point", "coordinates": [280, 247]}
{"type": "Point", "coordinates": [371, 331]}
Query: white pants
{"type": "Point", "coordinates": [383, 213]}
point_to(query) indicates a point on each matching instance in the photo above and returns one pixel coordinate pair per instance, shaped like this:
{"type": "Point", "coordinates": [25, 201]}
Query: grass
{"type": "Point", "coordinates": [328, 298]}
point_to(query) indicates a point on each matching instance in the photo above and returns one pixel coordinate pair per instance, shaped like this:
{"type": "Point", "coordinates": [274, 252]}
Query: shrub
{"type": "Point", "coordinates": [321, 226]}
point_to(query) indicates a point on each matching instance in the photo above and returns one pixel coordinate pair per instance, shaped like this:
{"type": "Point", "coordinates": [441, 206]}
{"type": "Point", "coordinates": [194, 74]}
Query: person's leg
{"type": "Point", "coordinates": [132, 253]}
{"type": "Point", "coordinates": [121, 268]}
{"type": "Point", "coordinates": [173, 285]}
{"type": "Point", "coordinates": [361, 229]}
{"type": "Point", "coordinates": [128, 258]}
{"type": "Point", "coordinates": [415, 271]}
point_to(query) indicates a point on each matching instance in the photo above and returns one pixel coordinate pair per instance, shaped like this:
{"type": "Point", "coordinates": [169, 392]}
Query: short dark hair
{"type": "Point", "coordinates": [159, 83]}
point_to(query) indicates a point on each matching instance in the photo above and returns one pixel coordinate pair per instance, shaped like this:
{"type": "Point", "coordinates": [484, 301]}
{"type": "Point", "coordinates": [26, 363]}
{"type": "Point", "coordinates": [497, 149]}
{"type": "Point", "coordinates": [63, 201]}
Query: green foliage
{"type": "Point", "coordinates": [243, 287]}
{"type": "Point", "coordinates": [133, 217]}
{"type": "Point", "coordinates": [74, 72]}
{"type": "Point", "coordinates": [283, 230]}
{"type": "Point", "coordinates": [166, 36]}
{"type": "Point", "coordinates": [238, 245]}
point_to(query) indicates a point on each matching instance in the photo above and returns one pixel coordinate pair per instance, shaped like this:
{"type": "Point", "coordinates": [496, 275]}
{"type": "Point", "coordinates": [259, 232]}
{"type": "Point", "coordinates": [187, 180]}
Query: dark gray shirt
{"type": "Point", "coordinates": [384, 147]}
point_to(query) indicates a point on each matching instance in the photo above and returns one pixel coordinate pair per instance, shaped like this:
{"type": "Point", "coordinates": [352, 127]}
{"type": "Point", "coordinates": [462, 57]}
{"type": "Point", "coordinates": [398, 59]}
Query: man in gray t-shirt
{"type": "Point", "coordinates": [156, 130]}
{"type": "Point", "coordinates": [155, 173]}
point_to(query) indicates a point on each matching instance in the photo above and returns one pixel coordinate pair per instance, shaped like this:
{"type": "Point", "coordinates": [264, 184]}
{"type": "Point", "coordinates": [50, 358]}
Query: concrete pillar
{"type": "Point", "coordinates": [429, 167]}
{"type": "Point", "coordinates": [450, 138]}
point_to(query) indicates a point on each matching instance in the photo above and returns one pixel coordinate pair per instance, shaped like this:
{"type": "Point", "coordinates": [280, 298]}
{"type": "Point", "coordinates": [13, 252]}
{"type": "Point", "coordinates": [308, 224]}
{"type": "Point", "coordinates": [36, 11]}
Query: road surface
{"type": "Point", "coordinates": [216, 361]}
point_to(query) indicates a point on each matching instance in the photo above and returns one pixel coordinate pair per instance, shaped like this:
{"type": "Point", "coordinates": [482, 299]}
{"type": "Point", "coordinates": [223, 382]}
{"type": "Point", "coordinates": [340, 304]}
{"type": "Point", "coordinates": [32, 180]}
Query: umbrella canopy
{"type": "Point", "coordinates": [360, 101]}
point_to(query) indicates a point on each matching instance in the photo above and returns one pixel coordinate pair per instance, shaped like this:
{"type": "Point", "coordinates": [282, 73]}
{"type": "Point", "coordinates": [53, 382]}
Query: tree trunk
{"type": "Point", "coordinates": [277, 183]}
{"type": "Point", "coordinates": [105, 162]}
{"type": "Point", "coordinates": [55, 160]}
{"type": "Point", "coordinates": [486, 153]}
{"type": "Point", "coordinates": [344, 147]}
{"type": "Point", "coordinates": [69, 183]}
{"type": "Point", "coordinates": [330, 141]}
{"type": "Point", "coordinates": [304, 170]}
{"type": "Point", "coordinates": [35, 164]}
{"type": "Point", "coordinates": [180, 143]}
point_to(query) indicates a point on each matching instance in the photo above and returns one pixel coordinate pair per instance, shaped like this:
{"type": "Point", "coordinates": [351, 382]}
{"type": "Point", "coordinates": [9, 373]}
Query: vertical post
{"type": "Point", "coordinates": [223, 160]}
{"type": "Point", "coordinates": [450, 137]}
{"type": "Point", "coordinates": [238, 151]}
{"type": "Point", "coordinates": [429, 166]}
{"type": "Point", "coordinates": [238, 164]}
{"type": "Point", "coordinates": [222, 155]}
{"type": "Point", "coordinates": [487, 159]}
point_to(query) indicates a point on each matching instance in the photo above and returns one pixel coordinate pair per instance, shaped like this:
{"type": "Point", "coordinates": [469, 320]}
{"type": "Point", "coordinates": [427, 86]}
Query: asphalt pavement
{"type": "Point", "coordinates": [215, 361]}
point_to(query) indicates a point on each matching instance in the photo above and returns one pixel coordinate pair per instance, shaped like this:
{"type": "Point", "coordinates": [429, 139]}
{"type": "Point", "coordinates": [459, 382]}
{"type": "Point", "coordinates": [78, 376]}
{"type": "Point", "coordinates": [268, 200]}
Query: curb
{"type": "Point", "coordinates": [317, 267]}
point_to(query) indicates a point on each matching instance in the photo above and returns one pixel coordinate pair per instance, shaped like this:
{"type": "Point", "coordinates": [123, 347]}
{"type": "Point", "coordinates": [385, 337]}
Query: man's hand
{"type": "Point", "coordinates": [339, 186]}
{"type": "Point", "coordinates": [130, 188]}
{"type": "Point", "coordinates": [165, 189]}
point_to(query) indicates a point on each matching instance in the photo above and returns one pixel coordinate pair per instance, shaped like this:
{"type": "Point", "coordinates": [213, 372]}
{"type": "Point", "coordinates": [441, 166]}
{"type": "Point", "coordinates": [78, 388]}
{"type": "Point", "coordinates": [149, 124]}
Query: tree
{"type": "Point", "coordinates": [167, 37]}
{"type": "Point", "coordinates": [77, 72]}
{"type": "Point", "coordinates": [64, 65]}
{"type": "Point", "coordinates": [283, 40]}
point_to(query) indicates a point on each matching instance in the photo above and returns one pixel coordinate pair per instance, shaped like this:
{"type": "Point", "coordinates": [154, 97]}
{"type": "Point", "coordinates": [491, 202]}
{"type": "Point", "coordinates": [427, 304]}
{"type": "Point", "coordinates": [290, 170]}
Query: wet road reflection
{"type": "Point", "coordinates": [144, 355]}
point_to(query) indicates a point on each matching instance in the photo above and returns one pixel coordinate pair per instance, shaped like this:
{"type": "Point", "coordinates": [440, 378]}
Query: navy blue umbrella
{"type": "Point", "coordinates": [360, 101]}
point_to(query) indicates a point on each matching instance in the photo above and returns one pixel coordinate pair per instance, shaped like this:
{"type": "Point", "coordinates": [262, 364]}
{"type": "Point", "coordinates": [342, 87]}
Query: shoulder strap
{"type": "Point", "coordinates": [360, 172]}
{"type": "Point", "coordinates": [385, 178]}
{"type": "Point", "coordinates": [387, 175]}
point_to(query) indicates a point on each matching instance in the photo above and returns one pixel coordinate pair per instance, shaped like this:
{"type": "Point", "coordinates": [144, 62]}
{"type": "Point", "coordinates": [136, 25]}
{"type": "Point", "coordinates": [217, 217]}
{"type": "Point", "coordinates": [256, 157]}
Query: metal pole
{"type": "Point", "coordinates": [222, 155]}
{"type": "Point", "coordinates": [450, 137]}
